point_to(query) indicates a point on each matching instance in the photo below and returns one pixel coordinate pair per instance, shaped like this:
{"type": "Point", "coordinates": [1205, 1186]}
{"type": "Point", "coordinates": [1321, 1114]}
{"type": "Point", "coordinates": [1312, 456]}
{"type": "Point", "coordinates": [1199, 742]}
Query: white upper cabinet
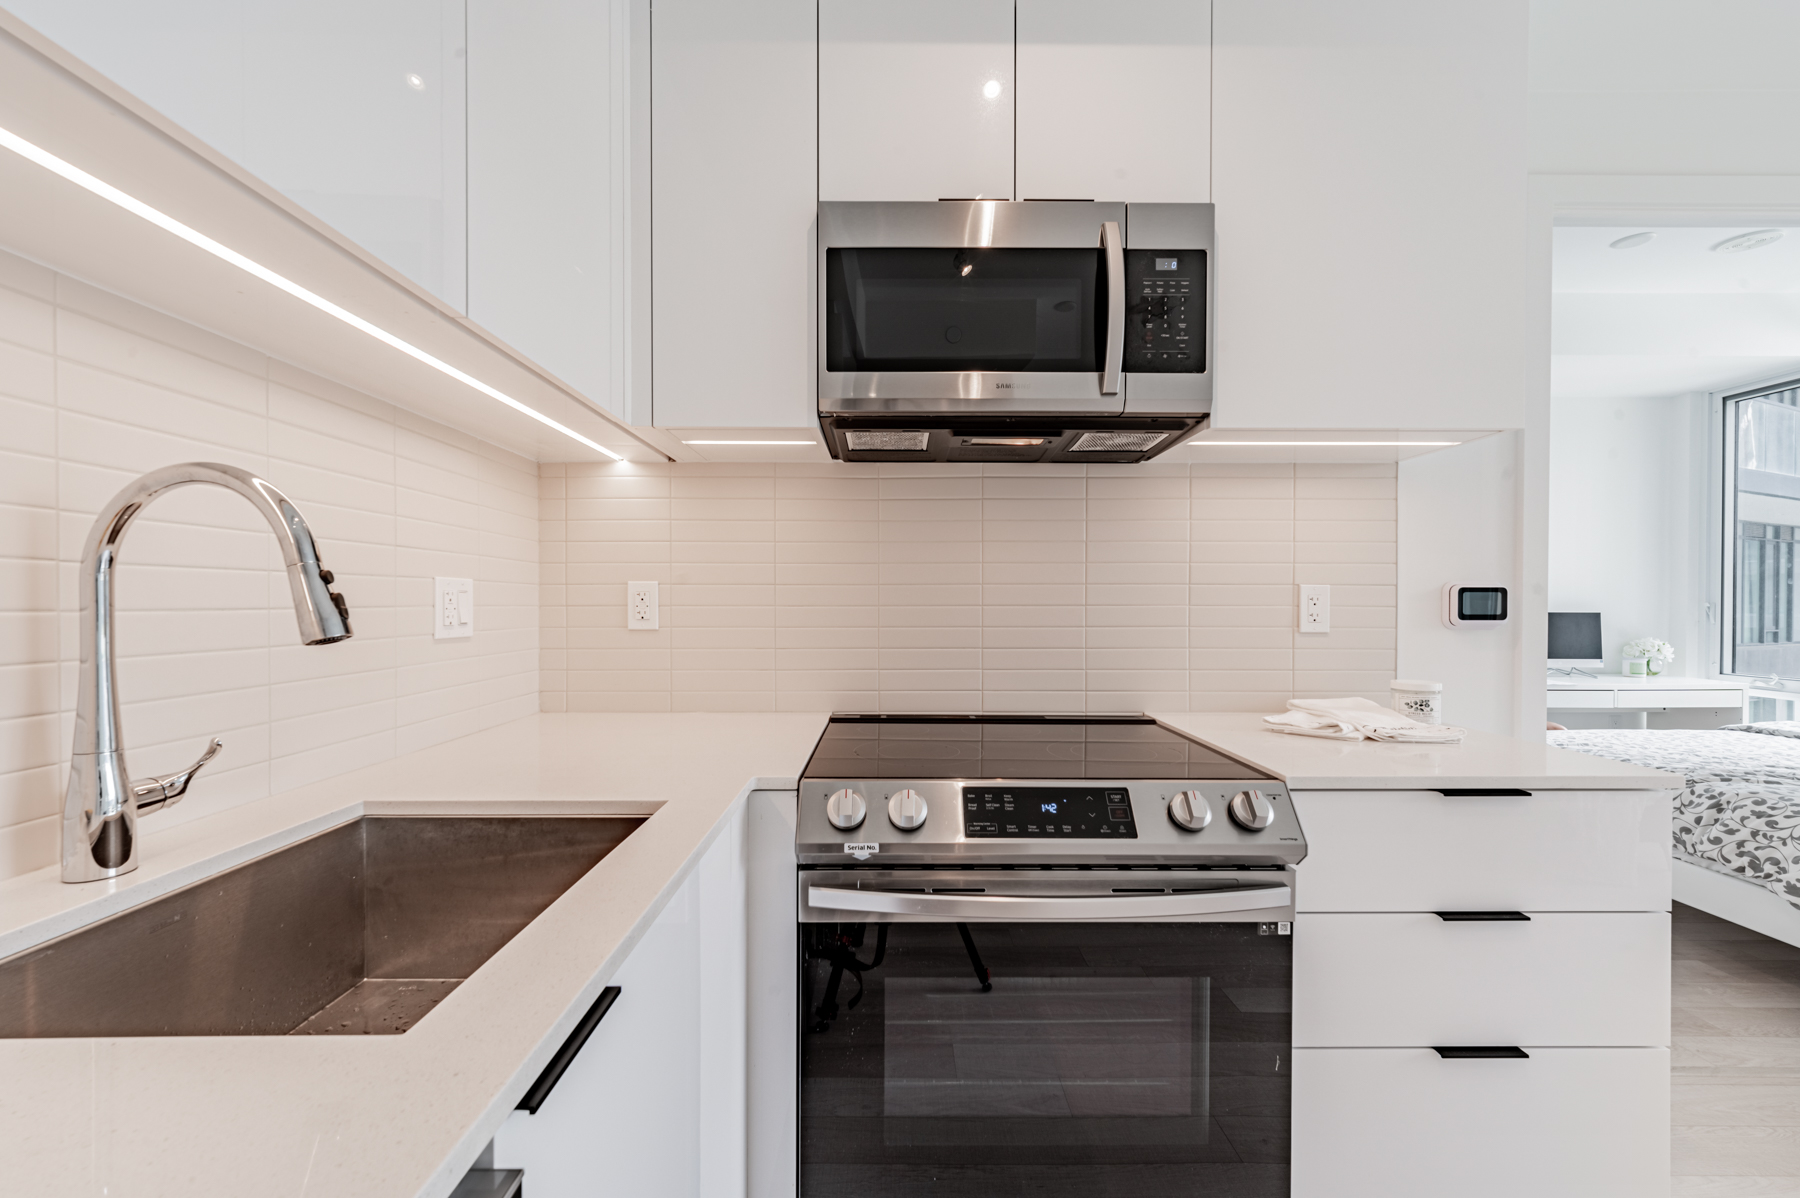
{"type": "Point", "coordinates": [1370, 174]}
{"type": "Point", "coordinates": [1115, 100]}
{"type": "Point", "coordinates": [916, 100]}
{"type": "Point", "coordinates": [733, 152]}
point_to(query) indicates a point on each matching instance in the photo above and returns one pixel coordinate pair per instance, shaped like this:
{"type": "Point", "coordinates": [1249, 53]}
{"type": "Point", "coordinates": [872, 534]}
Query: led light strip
{"type": "Point", "coordinates": [136, 207]}
{"type": "Point", "coordinates": [1439, 443]}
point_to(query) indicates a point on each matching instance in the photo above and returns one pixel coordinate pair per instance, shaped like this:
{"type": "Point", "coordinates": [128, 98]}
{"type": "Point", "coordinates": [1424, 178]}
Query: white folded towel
{"type": "Point", "coordinates": [1358, 719]}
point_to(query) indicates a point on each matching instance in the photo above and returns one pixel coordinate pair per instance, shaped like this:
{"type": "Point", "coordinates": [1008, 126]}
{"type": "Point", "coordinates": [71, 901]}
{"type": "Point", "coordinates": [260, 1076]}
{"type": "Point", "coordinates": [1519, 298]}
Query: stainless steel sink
{"type": "Point", "coordinates": [359, 930]}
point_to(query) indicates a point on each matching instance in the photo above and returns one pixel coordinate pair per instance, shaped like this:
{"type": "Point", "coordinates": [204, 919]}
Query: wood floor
{"type": "Point", "coordinates": [1736, 1062]}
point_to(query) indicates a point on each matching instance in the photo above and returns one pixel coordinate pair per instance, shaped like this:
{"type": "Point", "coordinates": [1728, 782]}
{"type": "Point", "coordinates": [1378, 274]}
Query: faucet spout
{"type": "Point", "coordinates": [101, 806]}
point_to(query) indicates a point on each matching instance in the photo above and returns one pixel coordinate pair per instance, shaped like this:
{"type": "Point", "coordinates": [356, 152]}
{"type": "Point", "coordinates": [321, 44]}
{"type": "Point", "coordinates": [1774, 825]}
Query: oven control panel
{"type": "Point", "coordinates": [1165, 311]}
{"type": "Point", "coordinates": [1037, 812]}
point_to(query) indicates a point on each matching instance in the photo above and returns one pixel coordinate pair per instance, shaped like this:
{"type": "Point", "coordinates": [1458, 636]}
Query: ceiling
{"type": "Point", "coordinates": [1671, 315]}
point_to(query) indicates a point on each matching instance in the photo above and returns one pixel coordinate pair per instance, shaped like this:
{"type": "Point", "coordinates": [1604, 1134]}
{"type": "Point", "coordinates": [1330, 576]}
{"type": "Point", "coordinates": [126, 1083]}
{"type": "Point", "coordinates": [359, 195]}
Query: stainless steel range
{"type": "Point", "coordinates": [1044, 953]}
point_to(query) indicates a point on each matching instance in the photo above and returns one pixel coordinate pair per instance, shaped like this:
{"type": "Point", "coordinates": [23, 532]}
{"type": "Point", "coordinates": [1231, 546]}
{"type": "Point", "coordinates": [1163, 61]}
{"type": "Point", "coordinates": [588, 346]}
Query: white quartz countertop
{"type": "Point", "coordinates": [388, 1116]}
{"type": "Point", "coordinates": [376, 1116]}
{"type": "Point", "coordinates": [1483, 759]}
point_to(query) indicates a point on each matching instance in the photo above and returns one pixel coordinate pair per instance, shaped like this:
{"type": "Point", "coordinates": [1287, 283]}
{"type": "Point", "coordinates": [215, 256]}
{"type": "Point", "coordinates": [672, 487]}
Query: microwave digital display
{"type": "Point", "coordinates": [1168, 264]}
{"type": "Point", "coordinates": [1165, 312]}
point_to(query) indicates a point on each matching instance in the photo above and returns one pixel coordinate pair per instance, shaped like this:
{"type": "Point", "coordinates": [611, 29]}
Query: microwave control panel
{"type": "Point", "coordinates": [1165, 311]}
{"type": "Point", "coordinates": [1033, 812]}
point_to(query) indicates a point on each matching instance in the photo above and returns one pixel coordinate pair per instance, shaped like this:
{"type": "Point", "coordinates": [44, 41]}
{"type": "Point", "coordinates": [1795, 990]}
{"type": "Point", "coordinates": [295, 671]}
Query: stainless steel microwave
{"type": "Point", "coordinates": [990, 330]}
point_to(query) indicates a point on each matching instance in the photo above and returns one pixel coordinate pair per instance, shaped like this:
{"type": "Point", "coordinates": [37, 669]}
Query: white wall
{"type": "Point", "coordinates": [95, 390]}
{"type": "Point", "coordinates": [1459, 522]}
{"type": "Point", "coordinates": [1628, 508]}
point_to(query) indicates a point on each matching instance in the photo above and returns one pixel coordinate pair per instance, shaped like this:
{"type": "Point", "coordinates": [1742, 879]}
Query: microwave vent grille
{"type": "Point", "coordinates": [887, 440]}
{"type": "Point", "coordinates": [1116, 442]}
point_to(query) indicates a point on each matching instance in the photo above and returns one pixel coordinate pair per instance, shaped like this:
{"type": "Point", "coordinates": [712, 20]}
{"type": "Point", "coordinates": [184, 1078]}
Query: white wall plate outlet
{"type": "Point", "coordinates": [453, 608]}
{"type": "Point", "coordinates": [1315, 607]}
{"type": "Point", "coordinates": [641, 607]}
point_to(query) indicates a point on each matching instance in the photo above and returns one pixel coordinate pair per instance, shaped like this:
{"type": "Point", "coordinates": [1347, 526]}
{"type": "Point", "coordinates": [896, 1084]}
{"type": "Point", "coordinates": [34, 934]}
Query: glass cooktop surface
{"type": "Point", "coordinates": [933, 747]}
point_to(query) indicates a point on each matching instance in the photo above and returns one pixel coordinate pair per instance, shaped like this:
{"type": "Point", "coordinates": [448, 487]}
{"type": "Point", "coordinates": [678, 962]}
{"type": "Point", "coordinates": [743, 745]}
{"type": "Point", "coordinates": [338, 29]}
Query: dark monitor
{"type": "Point", "coordinates": [1575, 637]}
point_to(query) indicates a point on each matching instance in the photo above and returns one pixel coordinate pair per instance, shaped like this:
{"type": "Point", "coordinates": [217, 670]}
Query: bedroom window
{"type": "Point", "coordinates": [1763, 523]}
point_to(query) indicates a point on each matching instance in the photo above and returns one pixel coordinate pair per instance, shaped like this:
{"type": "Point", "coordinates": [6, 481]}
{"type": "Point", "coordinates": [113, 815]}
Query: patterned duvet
{"type": "Point", "coordinates": [1740, 813]}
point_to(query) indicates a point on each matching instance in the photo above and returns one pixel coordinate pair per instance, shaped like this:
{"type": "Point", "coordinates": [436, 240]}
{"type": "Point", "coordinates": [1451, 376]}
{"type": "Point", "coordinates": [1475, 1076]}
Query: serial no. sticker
{"type": "Point", "coordinates": [861, 851]}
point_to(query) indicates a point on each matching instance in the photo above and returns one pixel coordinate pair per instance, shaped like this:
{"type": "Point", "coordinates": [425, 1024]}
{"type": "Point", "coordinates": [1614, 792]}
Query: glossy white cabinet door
{"type": "Point", "coordinates": [1369, 164]}
{"type": "Point", "coordinates": [734, 150]}
{"type": "Point", "coordinates": [653, 1106]}
{"type": "Point", "coordinates": [1115, 100]}
{"type": "Point", "coordinates": [1418, 850]}
{"type": "Point", "coordinates": [1403, 1123]}
{"type": "Point", "coordinates": [1574, 979]}
{"type": "Point", "coordinates": [915, 100]}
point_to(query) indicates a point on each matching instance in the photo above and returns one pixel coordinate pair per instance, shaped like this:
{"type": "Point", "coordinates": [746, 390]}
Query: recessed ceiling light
{"type": "Point", "coordinates": [749, 442]}
{"type": "Point", "coordinates": [1633, 241]}
{"type": "Point", "coordinates": [415, 81]}
{"type": "Point", "coordinates": [162, 220]}
{"type": "Point", "coordinates": [991, 89]}
{"type": "Point", "coordinates": [1747, 241]}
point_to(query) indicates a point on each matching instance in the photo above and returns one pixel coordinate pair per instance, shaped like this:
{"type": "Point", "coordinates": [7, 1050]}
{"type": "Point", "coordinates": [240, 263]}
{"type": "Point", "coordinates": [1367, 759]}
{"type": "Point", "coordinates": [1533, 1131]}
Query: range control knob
{"type": "Point", "coordinates": [1189, 810]}
{"type": "Point", "coordinates": [845, 809]}
{"type": "Point", "coordinates": [906, 809]}
{"type": "Point", "coordinates": [1251, 809]}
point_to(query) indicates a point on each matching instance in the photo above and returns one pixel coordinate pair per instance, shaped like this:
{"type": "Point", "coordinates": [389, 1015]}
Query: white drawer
{"type": "Point", "coordinates": [1403, 1123]}
{"type": "Point", "coordinates": [1577, 700]}
{"type": "Point", "coordinates": [1415, 980]}
{"type": "Point", "coordinates": [1418, 850]}
{"type": "Point", "coordinates": [1680, 699]}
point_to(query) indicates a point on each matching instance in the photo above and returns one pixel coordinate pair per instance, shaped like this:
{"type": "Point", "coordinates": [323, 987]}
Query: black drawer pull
{"type": "Point", "coordinates": [1484, 792]}
{"type": "Point", "coordinates": [1503, 1052]}
{"type": "Point", "coordinates": [559, 1064]}
{"type": "Point", "coordinates": [1483, 916]}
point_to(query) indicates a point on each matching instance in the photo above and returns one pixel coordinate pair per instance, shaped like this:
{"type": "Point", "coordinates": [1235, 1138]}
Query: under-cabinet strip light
{"type": "Point", "coordinates": [749, 442]}
{"type": "Point", "coordinates": [1198, 443]}
{"type": "Point", "coordinates": [161, 220]}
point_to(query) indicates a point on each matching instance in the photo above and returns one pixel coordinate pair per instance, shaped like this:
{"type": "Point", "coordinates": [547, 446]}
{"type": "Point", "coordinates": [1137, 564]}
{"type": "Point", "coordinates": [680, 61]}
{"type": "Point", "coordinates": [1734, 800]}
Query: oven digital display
{"type": "Point", "coordinates": [1039, 812]}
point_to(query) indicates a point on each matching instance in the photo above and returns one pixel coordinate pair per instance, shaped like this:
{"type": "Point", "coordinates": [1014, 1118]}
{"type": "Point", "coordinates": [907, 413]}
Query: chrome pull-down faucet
{"type": "Point", "coordinates": [101, 808]}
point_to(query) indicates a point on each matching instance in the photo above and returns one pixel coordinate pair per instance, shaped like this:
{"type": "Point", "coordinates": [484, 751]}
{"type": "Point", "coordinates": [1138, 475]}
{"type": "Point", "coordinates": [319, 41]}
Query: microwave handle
{"type": "Point", "coordinates": [1001, 906]}
{"type": "Point", "coordinates": [1114, 246]}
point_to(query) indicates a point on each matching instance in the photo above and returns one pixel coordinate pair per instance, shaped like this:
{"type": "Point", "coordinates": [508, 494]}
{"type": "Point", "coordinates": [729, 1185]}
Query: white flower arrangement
{"type": "Point", "coordinates": [1649, 648]}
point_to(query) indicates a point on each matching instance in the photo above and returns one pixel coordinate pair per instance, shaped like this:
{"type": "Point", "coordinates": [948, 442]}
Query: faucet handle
{"type": "Point", "coordinates": [165, 790]}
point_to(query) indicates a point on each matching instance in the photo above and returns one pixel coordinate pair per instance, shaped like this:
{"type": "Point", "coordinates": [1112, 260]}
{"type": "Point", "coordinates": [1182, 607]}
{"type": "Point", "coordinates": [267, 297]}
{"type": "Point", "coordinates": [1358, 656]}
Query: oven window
{"type": "Point", "coordinates": [1059, 1059]}
{"type": "Point", "coordinates": [964, 309]}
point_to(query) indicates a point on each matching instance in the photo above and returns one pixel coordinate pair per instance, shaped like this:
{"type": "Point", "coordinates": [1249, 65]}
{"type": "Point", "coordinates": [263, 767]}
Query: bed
{"type": "Point", "coordinates": [1737, 823]}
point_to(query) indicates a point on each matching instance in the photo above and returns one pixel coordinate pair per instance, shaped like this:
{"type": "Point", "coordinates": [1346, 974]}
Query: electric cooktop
{"type": "Point", "coordinates": [1034, 790]}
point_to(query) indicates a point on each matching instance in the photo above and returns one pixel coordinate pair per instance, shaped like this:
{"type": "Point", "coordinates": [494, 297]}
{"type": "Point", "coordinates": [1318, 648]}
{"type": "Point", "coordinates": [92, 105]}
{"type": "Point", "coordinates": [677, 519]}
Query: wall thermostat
{"type": "Point", "coordinates": [1473, 605]}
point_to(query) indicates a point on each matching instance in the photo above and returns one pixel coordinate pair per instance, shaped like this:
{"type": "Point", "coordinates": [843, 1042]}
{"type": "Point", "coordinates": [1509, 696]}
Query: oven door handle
{"type": "Point", "coordinates": [1113, 243]}
{"type": "Point", "coordinates": [1003, 906]}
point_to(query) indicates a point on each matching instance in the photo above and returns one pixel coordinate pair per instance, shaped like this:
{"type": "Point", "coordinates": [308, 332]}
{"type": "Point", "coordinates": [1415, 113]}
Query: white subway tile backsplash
{"type": "Point", "coordinates": [95, 390]}
{"type": "Point", "coordinates": [965, 587]}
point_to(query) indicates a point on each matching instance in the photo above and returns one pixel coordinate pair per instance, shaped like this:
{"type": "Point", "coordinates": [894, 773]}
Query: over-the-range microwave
{"type": "Point", "coordinates": [1002, 331]}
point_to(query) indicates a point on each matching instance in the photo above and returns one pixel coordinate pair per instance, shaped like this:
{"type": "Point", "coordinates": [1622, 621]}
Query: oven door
{"type": "Point", "coordinates": [997, 1048]}
{"type": "Point", "coordinates": [971, 306]}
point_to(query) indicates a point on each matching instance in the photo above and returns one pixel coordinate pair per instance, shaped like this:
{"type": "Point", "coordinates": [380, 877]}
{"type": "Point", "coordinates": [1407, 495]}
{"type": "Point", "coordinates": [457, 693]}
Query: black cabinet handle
{"type": "Point", "coordinates": [559, 1064]}
{"type": "Point", "coordinates": [1484, 792]}
{"type": "Point", "coordinates": [1469, 1053]}
{"type": "Point", "coordinates": [1482, 916]}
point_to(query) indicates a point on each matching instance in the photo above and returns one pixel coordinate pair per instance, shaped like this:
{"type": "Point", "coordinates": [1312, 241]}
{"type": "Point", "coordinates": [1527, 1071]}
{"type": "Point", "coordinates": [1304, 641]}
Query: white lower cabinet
{"type": "Point", "coordinates": [1421, 850]}
{"type": "Point", "coordinates": [1404, 1123]}
{"type": "Point", "coordinates": [653, 1106]}
{"type": "Point", "coordinates": [1411, 978]}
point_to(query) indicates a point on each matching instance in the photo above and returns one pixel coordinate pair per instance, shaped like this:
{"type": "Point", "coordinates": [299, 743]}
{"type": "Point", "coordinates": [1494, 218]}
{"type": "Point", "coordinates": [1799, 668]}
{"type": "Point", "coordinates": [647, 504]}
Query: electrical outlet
{"type": "Point", "coordinates": [1315, 607]}
{"type": "Point", "coordinates": [453, 608]}
{"type": "Point", "coordinates": [641, 606]}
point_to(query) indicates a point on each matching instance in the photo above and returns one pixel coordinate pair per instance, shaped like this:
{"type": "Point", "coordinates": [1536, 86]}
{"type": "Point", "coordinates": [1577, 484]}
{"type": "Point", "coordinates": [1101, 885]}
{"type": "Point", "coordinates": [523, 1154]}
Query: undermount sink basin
{"type": "Point", "coordinates": [359, 930]}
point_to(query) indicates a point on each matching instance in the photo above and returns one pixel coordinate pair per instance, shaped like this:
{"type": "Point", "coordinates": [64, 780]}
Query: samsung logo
{"type": "Point", "coordinates": [1004, 386]}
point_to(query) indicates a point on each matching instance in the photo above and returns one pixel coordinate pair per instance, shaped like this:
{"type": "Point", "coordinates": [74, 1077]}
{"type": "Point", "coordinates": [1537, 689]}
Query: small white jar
{"type": "Point", "coordinates": [1423, 701]}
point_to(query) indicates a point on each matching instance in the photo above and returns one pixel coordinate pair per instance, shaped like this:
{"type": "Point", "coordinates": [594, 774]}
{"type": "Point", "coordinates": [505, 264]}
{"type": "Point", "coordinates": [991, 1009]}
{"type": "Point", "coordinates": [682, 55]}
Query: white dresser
{"type": "Point", "coordinates": [1574, 700]}
{"type": "Point", "coordinates": [1481, 967]}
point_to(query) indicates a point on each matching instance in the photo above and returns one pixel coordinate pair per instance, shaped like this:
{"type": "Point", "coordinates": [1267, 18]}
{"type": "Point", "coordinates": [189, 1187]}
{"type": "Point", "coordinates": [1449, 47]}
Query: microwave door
{"type": "Point", "coordinates": [971, 307]}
